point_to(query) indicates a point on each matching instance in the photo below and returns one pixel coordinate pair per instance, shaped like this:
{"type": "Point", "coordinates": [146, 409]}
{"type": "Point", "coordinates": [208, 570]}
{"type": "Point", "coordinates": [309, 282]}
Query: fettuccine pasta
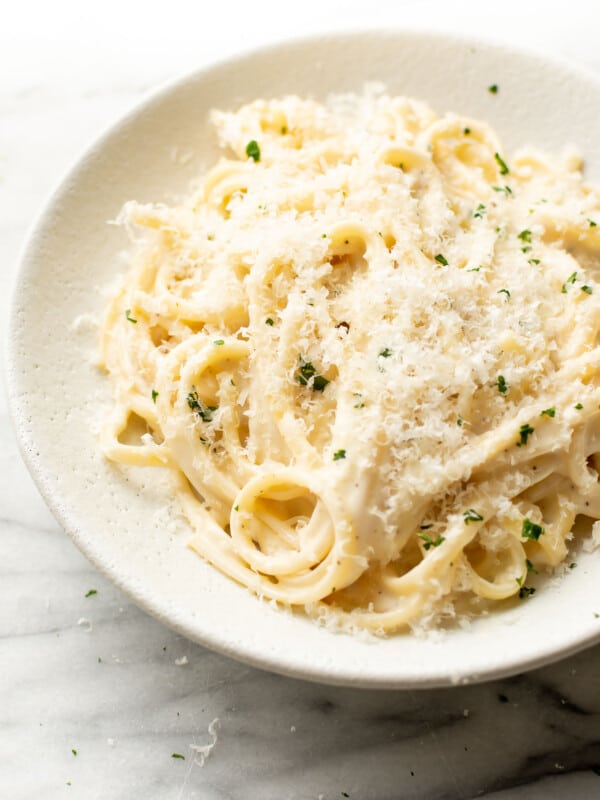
{"type": "Point", "coordinates": [366, 348]}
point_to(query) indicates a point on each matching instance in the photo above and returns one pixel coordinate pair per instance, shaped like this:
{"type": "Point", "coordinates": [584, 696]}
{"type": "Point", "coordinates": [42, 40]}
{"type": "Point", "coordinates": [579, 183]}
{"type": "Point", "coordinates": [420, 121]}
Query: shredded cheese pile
{"type": "Point", "coordinates": [367, 349]}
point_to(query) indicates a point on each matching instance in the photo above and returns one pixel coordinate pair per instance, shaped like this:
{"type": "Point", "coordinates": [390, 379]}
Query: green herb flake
{"type": "Point", "coordinates": [253, 150]}
{"type": "Point", "coordinates": [460, 422]}
{"type": "Point", "coordinates": [441, 260]}
{"type": "Point", "coordinates": [236, 508]}
{"type": "Point", "coordinates": [592, 223]}
{"type": "Point", "coordinates": [154, 395]}
{"type": "Point", "coordinates": [493, 89]}
{"type": "Point", "coordinates": [307, 372]}
{"type": "Point", "coordinates": [269, 321]}
{"type": "Point", "coordinates": [91, 592]}
{"type": "Point", "coordinates": [578, 406]}
{"type": "Point", "coordinates": [470, 515]}
{"type": "Point", "coordinates": [284, 130]}
{"type": "Point", "coordinates": [533, 261]}
{"type": "Point", "coordinates": [466, 131]}
{"type": "Point", "coordinates": [525, 432]}
{"type": "Point", "coordinates": [530, 567]}
{"type": "Point", "coordinates": [74, 751]}
{"type": "Point", "coordinates": [506, 189]}
{"type": "Point", "coordinates": [502, 384]}
{"type": "Point", "coordinates": [385, 353]}
{"type": "Point", "coordinates": [531, 530]}
{"type": "Point", "coordinates": [506, 292]}
{"type": "Point", "coordinates": [525, 236]}
{"type": "Point", "coordinates": [504, 170]}
{"type": "Point", "coordinates": [219, 342]}
{"type": "Point", "coordinates": [571, 279]}
{"type": "Point", "coordinates": [479, 212]}
{"type": "Point", "coordinates": [586, 289]}
{"type": "Point", "coordinates": [549, 412]}
{"type": "Point", "coordinates": [128, 316]}
{"type": "Point", "coordinates": [572, 565]}
{"type": "Point", "coordinates": [359, 401]}
{"type": "Point", "coordinates": [474, 269]}
{"type": "Point", "coordinates": [526, 591]}
{"type": "Point", "coordinates": [429, 542]}
{"type": "Point", "coordinates": [204, 412]}
{"type": "Point", "coordinates": [178, 755]}
{"type": "Point", "coordinates": [519, 581]}
{"type": "Point", "coordinates": [339, 454]}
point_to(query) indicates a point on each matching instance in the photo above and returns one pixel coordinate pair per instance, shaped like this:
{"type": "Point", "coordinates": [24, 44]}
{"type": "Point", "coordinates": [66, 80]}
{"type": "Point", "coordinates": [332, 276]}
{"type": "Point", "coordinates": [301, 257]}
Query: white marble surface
{"type": "Point", "coordinates": [95, 696]}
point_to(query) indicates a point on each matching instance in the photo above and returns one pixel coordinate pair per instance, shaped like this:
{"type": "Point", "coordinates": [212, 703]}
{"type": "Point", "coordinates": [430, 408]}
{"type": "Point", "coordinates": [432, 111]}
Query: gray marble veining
{"type": "Point", "coordinates": [95, 696]}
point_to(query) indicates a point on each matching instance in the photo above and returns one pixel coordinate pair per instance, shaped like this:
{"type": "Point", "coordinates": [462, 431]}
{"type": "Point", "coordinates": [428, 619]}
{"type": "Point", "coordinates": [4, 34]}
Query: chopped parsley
{"type": "Point", "coordinates": [578, 406]}
{"type": "Point", "coordinates": [128, 316]}
{"type": "Point", "coordinates": [460, 422]}
{"type": "Point", "coordinates": [493, 89]}
{"type": "Point", "coordinates": [474, 269]}
{"type": "Point", "coordinates": [586, 289]}
{"type": "Point", "coordinates": [441, 260]}
{"type": "Point", "coordinates": [531, 530]}
{"type": "Point", "coordinates": [308, 372]}
{"type": "Point", "coordinates": [253, 150]}
{"type": "Point", "coordinates": [219, 342]}
{"type": "Point", "coordinates": [502, 384]}
{"type": "Point", "coordinates": [506, 292]}
{"type": "Point", "coordinates": [549, 412]}
{"type": "Point", "coordinates": [525, 432]}
{"type": "Point", "coordinates": [236, 508]}
{"type": "Point", "coordinates": [74, 751]}
{"type": "Point", "coordinates": [526, 591]}
{"type": "Point", "coordinates": [154, 395]}
{"type": "Point", "coordinates": [339, 454]}
{"type": "Point", "coordinates": [470, 515]}
{"type": "Point", "coordinates": [571, 279]}
{"type": "Point", "coordinates": [91, 592]}
{"type": "Point", "coordinates": [533, 261]}
{"type": "Point", "coordinates": [530, 567]}
{"type": "Point", "coordinates": [592, 223]}
{"type": "Point", "coordinates": [572, 565]}
{"type": "Point", "coordinates": [429, 542]}
{"type": "Point", "coordinates": [525, 236]}
{"type": "Point", "coordinates": [178, 755]}
{"type": "Point", "coordinates": [479, 211]}
{"type": "Point", "coordinates": [359, 401]}
{"type": "Point", "coordinates": [385, 353]}
{"type": "Point", "coordinates": [466, 131]}
{"type": "Point", "coordinates": [269, 321]}
{"type": "Point", "coordinates": [506, 189]}
{"type": "Point", "coordinates": [195, 403]}
{"type": "Point", "coordinates": [504, 170]}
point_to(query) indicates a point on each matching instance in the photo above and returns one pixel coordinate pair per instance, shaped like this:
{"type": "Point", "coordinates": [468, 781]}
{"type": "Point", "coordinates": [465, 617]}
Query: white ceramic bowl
{"type": "Point", "coordinates": [56, 391]}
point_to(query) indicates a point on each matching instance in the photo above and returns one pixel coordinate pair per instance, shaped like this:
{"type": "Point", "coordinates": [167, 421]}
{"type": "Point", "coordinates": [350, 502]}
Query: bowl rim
{"type": "Point", "coordinates": [34, 461]}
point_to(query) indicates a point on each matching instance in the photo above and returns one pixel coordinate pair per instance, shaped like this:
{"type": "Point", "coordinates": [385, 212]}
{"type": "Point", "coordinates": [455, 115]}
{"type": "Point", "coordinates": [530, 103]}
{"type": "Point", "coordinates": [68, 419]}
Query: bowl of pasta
{"type": "Point", "coordinates": [325, 343]}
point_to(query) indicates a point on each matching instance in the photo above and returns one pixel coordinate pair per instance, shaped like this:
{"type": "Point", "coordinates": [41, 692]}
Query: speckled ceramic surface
{"type": "Point", "coordinates": [57, 394]}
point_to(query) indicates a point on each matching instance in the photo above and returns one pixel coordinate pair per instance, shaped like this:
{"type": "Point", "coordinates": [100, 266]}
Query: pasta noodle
{"type": "Point", "coordinates": [366, 349]}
